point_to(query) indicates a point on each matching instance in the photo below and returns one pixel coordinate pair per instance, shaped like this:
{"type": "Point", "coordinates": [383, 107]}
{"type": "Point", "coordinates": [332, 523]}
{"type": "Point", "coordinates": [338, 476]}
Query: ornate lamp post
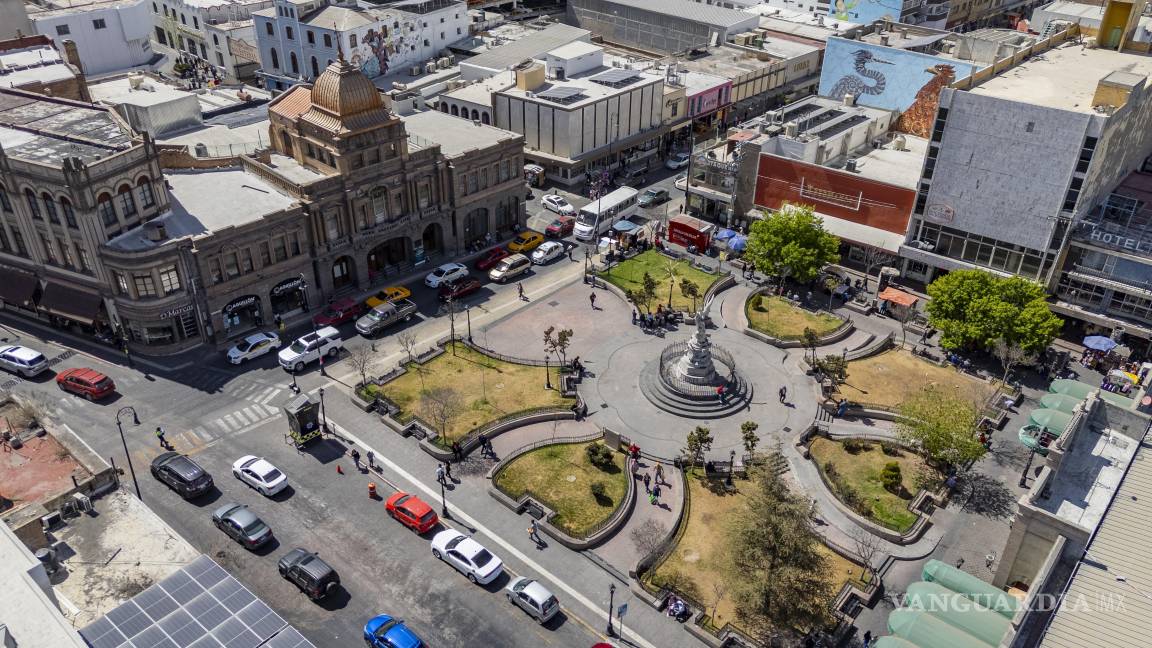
{"type": "Point", "coordinates": [135, 421]}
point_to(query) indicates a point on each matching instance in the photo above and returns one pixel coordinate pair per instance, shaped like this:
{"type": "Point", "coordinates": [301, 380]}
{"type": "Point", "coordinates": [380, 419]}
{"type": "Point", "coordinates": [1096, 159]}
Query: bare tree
{"type": "Point", "coordinates": [443, 404]}
{"type": "Point", "coordinates": [407, 341]}
{"type": "Point", "coordinates": [1009, 356]}
{"type": "Point", "coordinates": [875, 257]}
{"type": "Point", "coordinates": [867, 547]}
{"type": "Point", "coordinates": [648, 536]}
{"type": "Point", "coordinates": [362, 359]}
{"type": "Point", "coordinates": [719, 589]}
{"type": "Point", "coordinates": [556, 342]}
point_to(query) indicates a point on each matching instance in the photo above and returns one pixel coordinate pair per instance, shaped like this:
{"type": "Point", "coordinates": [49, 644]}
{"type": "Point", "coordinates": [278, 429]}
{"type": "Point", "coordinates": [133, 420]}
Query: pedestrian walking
{"type": "Point", "coordinates": [356, 457]}
{"type": "Point", "coordinates": [448, 470]}
{"type": "Point", "coordinates": [647, 482]}
{"type": "Point", "coordinates": [483, 445]}
{"type": "Point", "coordinates": [783, 394]}
{"type": "Point", "coordinates": [533, 531]}
{"type": "Point", "coordinates": [720, 393]}
{"type": "Point", "coordinates": [160, 437]}
{"type": "Point", "coordinates": [520, 289]}
{"type": "Point", "coordinates": [488, 447]}
{"type": "Point", "coordinates": [457, 451]}
{"type": "Point", "coordinates": [635, 315]}
{"type": "Point", "coordinates": [570, 255]}
{"type": "Point", "coordinates": [867, 638]}
{"type": "Point", "coordinates": [371, 456]}
{"type": "Point", "coordinates": [440, 473]}
{"type": "Point", "coordinates": [660, 474]}
{"type": "Point", "coordinates": [592, 300]}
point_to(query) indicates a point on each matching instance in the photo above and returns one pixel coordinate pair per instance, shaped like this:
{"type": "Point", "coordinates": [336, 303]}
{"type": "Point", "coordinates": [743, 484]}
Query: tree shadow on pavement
{"type": "Point", "coordinates": [983, 495]}
{"type": "Point", "coordinates": [1008, 453]}
{"type": "Point", "coordinates": [472, 465]}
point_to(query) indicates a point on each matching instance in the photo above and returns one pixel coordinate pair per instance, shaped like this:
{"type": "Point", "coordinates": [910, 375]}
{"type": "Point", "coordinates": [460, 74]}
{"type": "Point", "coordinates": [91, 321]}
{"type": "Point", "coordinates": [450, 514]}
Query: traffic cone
{"type": "Point", "coordinates": [372, 490]}
{"type": "Point", "coordinates": [339, 470]}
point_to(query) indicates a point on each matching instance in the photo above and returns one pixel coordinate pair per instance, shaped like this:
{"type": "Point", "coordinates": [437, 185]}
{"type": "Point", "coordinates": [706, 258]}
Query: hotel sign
{"type": "Point", "coordinates": [1101, 236]}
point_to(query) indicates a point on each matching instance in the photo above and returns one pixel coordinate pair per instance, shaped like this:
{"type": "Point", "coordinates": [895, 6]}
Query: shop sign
{"type": "Point", "coordinates": [176, 312]}
{"type": "Point", "coordinates": [285, 287]}
{"type": "Point", "coordinates": [237, 304]}
{"type": "Point", "coordinates": [940, 212]}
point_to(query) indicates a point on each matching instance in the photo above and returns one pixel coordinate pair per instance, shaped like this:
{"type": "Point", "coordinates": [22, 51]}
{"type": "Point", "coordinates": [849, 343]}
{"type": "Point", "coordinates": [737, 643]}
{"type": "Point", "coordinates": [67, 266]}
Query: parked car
{"type": "Point", "coordinates": [308, 348]}
{"type": "Point", "coordinates": [533, 598]}
{"type": "Point", "coordinates": [677, 161]}
{"type": "Point", "coordinates": [388, 294]}
{"type": "Point", "coordinates": [547, 251]}
{"type": "Point", "coordinates": [89, 383]}
{"type": "Point", "coordinates": [459, 289]}
{"type": "Point", "coordinates": [242, 525]}
{"type": "Point", "coordinates": [526, 241]}
{"type": "Point", "coordinates": [467, 556]}
{"type": "Point", "coordinates": [253, 346]}
{"type": "Point", "coordinates": [652, 197]}
{"type": "Point", "coordinates": [22, 360]}
{"type": "Point", "coordinates": [446, 273]}
{"type": "Point", "coordinates": [411, 511]}
{"type": "Point", "coordinates": [632, 177]}
{"type": "Point", "coordinates": [258, 473]}
{"type": "Point", "coordinates": [554, 203]}
{"type": "Point", "coordinates": [385, 631]}
{"type": "Point", "coordinates": [338, 312]}
{"type": "Point", "coordinates": [491, 258]}
{"type": "Point", "coordinates": [181, 474]}
{"type": "Point", "coordinates": [560, 226]}
{"type": "Point", "coordinates": [510, 268]}
{"type": "Point", "coordinates": [385, 315]}
{"type": "Point", "coordinates": [313, 576]}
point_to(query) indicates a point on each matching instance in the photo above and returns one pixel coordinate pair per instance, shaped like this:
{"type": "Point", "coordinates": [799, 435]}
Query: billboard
{"type": "Point", "coordinates": [865, 11]}
{"type": "Point", "coordinates": [890, 78]}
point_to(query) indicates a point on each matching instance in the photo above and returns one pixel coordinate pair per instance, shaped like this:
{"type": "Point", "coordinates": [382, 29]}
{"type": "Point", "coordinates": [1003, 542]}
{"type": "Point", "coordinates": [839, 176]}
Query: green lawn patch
{"type": "Point", "coordinates": [562, 477]}
{"type": "Point", "coordinates": [629, 275]}
{"type": "Point", "coordinates": [783, 320]}
{"type": "Point", "coordinates": [486, 389]}
{"type": "Point", "coordinates": [888, 379]}
{"type": "Point", "coordinates": [856, 479]}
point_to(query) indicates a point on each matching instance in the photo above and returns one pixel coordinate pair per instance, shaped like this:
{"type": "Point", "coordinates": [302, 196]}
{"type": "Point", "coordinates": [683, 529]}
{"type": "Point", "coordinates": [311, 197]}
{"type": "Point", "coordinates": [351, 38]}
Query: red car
{"type": "Point", "coordinates": [491, 258]}
{"type": "Point", "coordinates": [560, 227]}
{"type": "Point", "coordinates": [461, 288]}
{"type": "Point", "coordinates": [412, 512]}
{"type": "Point", "coordinates": [82, 381]}
{"type": "Point", "coordinates": [339, 311]}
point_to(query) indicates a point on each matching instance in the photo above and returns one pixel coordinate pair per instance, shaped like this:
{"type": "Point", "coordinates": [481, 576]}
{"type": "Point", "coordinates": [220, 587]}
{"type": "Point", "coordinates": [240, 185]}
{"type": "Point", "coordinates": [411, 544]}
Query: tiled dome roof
{"type": "Point", "coordinates": [343, 91]}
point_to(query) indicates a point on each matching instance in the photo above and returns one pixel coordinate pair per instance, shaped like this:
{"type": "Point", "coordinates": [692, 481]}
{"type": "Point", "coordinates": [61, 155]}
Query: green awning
{"type": "Point", "coordinates": [957, 611]}
{"type": "Point", "coordinates": [1052, 420]}
{"type": "Point", "coordinates": [964, 583]}
{"type": "Point", "coordinates": [893, 642]}
{"type": "Point", "coordinates": [927, 631]}
{"type": "Point", "coordinates": [1062, 402]}
{"type": "Point", "coordinates": [1073, 388]}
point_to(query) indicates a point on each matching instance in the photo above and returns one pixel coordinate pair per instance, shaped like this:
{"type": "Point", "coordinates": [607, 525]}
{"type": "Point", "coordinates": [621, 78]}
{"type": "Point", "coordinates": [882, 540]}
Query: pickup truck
{"type": "Point", "coordinates": [309, 348]}
{"type": "Point", "coordinates": [385, 315]}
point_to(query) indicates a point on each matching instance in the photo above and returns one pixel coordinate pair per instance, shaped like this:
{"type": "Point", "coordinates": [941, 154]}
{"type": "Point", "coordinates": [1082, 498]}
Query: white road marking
{"type": "Point", "coordinates": [595, 608]}
{"type": "Point", "coordinates": [81, 440]}
{"type": "Point", "coordinates": [253, 413]}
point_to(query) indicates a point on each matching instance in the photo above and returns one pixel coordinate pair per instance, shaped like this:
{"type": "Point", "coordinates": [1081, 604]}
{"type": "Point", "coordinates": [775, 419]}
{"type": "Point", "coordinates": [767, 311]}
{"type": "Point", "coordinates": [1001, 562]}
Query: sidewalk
{"type": "Point", "coordinates": [620, 550]}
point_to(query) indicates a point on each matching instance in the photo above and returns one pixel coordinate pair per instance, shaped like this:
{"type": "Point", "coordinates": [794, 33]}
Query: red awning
{"type": "Point", "coordinates": [898, 297]}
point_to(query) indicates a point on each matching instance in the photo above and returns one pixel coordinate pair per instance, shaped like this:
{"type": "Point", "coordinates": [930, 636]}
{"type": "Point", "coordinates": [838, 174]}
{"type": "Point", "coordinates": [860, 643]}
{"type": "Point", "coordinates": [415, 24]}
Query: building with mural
{"type": "Point", "coordinates": [298, 40]}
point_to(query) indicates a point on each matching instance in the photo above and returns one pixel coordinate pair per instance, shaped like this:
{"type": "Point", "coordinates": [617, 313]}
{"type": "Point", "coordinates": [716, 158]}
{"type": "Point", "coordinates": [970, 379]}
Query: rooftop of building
{"type": "Point", "coordinates": [574, 50]}
{"type": "Point", "coordinates": [1106, 603]}
{"type": "Point", "coordinates": [588, 87]}
{"type": "Point", "coordinates": [981, 46]}
{"type": "Point", "coordinates": [799, 23]}
{"type": "Point", "coordinates": [135, 91]}
{"type": "Point", "coordinates": [712, 15]}
{"type": "Point", "coordinates": [694, 82]}
{"type": "Point", "coordinates": [897, 162]}
{"type": "Point", "coordinates": [51, 8]}
{"type": "Point", "coordinates": [36, 64]}
{"type": "Point", "coordinates": [30, 614]}
{"type": "Point", "coordinates": [1064, 77]}
{"type": "Point", "coordinates": [530, 45]}
{"type": "Point", "coordinates": [205, 201]}
{"type": "Point", "coordinates": [815, 117]}
{"type": "Point", "coordinates": [480, 92]}
{"type": "Point", "coordinates": [46, 130]}
{"type": "Point", "coordinates": [1076, 10]}
{"type": "Point", "coordinates": [339, 18]}
{"type": "Point", "coordinates": [291, 170]}
{"type": "Point", "coordinates": [728, 62]}
{"type": "Point", "coordinates": [455, 136]}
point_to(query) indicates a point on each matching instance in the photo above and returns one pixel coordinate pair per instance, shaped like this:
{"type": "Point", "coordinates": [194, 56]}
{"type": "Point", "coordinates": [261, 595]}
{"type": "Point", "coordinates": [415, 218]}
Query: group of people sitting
{"type": "Point", "coordinates": [657, 319]}
{"type": "Point", "coordinates": [676, 609]}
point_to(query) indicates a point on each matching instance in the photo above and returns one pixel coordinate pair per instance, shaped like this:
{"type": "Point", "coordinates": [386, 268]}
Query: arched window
{"type": "Point", "coordinates": [286, 142]}
{"type": "Point", "coordinates": [5, 202]}
{"type": "Point", "coordinates": [315, 67]}
{"type": "Point", "coordinates": [33, 207]}
{"type": "Point", "coordinates": [444, 106]}
{"type": "Point", "coordinates": [475, 114]}
{"type": "Point", "coordinates": [292, 61]}
{"type": "Point", "coordinates": [380, 204]}
{"type": "Point", "coordinates": [106, 209]}
{"type": "Point", "coordinates": [69, 215]}
{"type": "Point", "coordinates": [144, 192]}
{"type": "Point", "coordinates": [127, 204]}
{"type": "Point", "coordinates": [484, 118]}
{"type": "Point", "coordinates": [455, 111]}
{"type": "Point", "coordinates": [275, 59]}
{"type": "Point", "coordinates": [50, 208]}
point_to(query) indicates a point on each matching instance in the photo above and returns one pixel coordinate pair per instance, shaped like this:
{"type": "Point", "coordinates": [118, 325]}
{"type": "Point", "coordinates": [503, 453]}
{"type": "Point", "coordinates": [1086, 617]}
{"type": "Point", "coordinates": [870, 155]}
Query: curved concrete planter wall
{"type": "Point", "coordinates": [843, 331]}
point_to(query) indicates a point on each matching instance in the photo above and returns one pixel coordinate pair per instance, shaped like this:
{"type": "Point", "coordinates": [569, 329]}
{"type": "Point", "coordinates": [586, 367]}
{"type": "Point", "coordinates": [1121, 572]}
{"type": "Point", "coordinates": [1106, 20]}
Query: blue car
{"type": "Point", "coordinates": [386, 632]}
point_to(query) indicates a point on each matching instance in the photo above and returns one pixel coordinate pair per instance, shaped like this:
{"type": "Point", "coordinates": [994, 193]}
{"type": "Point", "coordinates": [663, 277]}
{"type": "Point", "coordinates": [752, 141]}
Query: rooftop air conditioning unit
{"type": "Point", "coordinates": [399, 86]}
{"type": "Point", "coordinates": [791, 129]}
{"type": "Point", "coordinates": [443, 63]}
{"type": "Point", "coordinates": [850, 165]}
{"type": "Point", "coordinates": [415, 70]}
{"type": "Point", "coordinates": [83, 502]}
{"type": "Point", "coordinates": [430, 67]}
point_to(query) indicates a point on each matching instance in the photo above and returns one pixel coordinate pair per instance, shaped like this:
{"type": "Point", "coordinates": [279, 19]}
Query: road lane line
{"type": "Point", "coordinates": [595, 608]}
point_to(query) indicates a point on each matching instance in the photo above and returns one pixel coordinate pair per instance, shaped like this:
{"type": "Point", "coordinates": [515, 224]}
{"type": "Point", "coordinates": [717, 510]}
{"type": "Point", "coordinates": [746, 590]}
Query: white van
{"type": "Point", "coordinates": [308, 348]}
{"type": "Point", "coordinates": [509, 267]}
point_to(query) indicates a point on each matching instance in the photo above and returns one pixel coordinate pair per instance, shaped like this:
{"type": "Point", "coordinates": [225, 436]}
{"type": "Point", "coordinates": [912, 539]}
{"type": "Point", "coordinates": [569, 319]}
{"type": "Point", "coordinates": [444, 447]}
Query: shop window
{"type": "Point", "coordinates": [50, 209]}
{"type": "Point", "coordinates": [33, 206]}
{"type": "Point", "coordinates": [69, 214]}
{"type": "Point", "coordinates": [145, 287]}
{"type": "Point", "coordinates": [144, 191]}
{"type": "Point", "coordinates": [265, 255]}
{"type": "Point", "coordinates": [127, 204]}
{"type": "Point", "coordinates": [169, 279]}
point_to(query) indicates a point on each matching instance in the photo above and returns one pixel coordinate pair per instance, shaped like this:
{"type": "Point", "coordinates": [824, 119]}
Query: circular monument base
{"type": "Point", "coordinates": [737, 395]}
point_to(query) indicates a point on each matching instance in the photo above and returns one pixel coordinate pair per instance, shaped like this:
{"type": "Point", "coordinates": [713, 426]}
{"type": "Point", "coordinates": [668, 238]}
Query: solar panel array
{"type": "Point", "coordinates": [562, 94]}
{"type": "Point", "coordinates": [617, 77]}
{"type": "Point", "coordinates": [200, 606]}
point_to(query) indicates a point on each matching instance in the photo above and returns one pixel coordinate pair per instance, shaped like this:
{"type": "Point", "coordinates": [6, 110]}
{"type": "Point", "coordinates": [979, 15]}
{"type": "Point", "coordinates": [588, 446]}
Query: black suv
{"type": "Point", "coordinates": [313, 576]}
{"type": "Point", "coordinates": [182, 475]}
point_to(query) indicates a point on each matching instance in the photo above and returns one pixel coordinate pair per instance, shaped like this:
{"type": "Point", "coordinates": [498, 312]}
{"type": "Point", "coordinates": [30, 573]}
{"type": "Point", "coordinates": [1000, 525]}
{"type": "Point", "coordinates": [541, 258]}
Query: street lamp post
{"type": "Point", "coordinates": [1027, 467]}
{"type": "Point", "coordinates": [323, 415]}
{"type": "Point", "coordinates": [444, 502]}
{"type": "Point", "coordinates": [547, 372]}
{"type": "Point", "coordinates": [135, 421]}
{"type": "Point", "coordinates": [452, 322]}
{"type": "Point", "coordinates": [611, 600]}
{"type": "Point", "coordinates": [468, 315]}
{"type": "Point", "coordinates": [731, 465]}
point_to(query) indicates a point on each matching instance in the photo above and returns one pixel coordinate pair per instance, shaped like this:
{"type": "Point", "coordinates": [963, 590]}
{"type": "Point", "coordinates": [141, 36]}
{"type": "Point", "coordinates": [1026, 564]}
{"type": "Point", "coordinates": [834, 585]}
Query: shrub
{"type": "Point", "coordinates": [598, 490]}
{"type": "Point", "coordinates": [856, 446]}
{"type": "Point", "coordinates": [890, 449]}
{"type": "Point", "coordinates": [891, 477]}
{"type": "Point", "coordinates": [600, 456]}
{"type": "Point", "coordinates": [830, 469]}
{"type": "Point", "coordinates": [757, 302]}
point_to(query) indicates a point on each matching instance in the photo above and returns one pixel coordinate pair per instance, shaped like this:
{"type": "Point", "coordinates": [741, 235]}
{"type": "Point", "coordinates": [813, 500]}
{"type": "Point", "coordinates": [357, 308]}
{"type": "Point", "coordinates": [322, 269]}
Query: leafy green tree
{"type": "Point", "coordinates": [891, 478]}
{"type": "Point", "coordinates": [691, 290]}
{"type": "Point", "coordinates": [786, 582]}
{"type": "Point", "coordinates": [557, 342]}
{"type": "Point", "coordinates": [669, 271]}
{"type": "Point", "coordinates": [791, 242]}
{"type": "Point", "coordinates": [699, 441]}
{"type": "Point", "coordinates": [943, 425]}
{"type": "Point", "coordinates": [810, 340]}
{"type": "Point", "coordinates": [749, 436]}
{"type": "Point", "coordinates": [974, 308]}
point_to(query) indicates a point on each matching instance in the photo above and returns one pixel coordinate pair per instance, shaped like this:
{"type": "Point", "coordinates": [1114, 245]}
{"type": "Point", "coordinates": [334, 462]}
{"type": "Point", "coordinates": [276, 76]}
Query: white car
{"type": "Point", "coordinates": [676, 162]}
{"type": "Point", "coordinates": [259, 474]}
{"type": "Point", "coordinates": [467, 556]}
{"type": "Point", "coordinates": [447, 273]}
{"type": "Point", "coordinates": [253, 346]}
{"type": "Point", "coordinates": [557, 204]}
{"type": "Point", "coordinates": [547, 251]}
{"type": "Point", "coordinates": [308, 348]}
{"type": "Point", "coordinates": [22, 360]}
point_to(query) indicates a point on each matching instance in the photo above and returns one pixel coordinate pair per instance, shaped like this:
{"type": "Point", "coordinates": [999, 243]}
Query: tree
{"type": "Point", "coordinates": [691, 290]}
{"type": "Point", "coordinates": [748, 435]}
{"type": "Point", "coordinates": [648, 535]}
{"type": "Point", "coordinates": [942, 424]}
{"type": "Point", "coordinates": [670, 271]}
{"type": "Point", "coordinates": [891, 478]}
{"type": "Point", "coordinates": [834, 366]}
{"type": "Point", "coordinates": [699, 442]}
{"type": "Point", "coordinates": [443, 404]}
{"type": "Point", "coordinates": [556, 342]}
{"type": "Point", "coordinates": [407, 340]}
{"type": "Point", "coordinates": [867, 547]}
{"type": "Point", "coordinates": [810, 340]}
{"type": "Point", "coordinates": [362, 359]}
{"type": "Point", "coordinates": [648, 288]}
{"type": "Point", "coordinates": [1009, 356]}
{"type": "Point", "coordinates": [875, 257]}
{"type": "Point", "coordinates": [973, 308]}
{"type": "Point", "coordinates": [791, 242]}
{"type": "Point", "coordinates": [786, 582]}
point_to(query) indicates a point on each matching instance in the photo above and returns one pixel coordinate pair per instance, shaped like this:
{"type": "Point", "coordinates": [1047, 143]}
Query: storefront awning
{"type": "Point", "coordinates": [18, 288]}
{"type": "Point", "coordinates": [71, 303]}
{"type": "Point", "coordinates": [863, 234]}
{"type": "Point", "coordinates": [898, 297]}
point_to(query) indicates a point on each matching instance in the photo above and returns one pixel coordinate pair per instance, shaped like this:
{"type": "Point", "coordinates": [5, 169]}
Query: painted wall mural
{"type": "Point", "coordinates": [890, 78]}
{"type": "Point", "coordinates": [383, 48]}
{"type": "Point", "coordinates": [865, 11]}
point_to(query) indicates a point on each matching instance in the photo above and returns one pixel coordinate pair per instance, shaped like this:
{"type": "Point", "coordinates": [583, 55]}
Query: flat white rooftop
{"type": "Point", "coordinates": [223, 140]}
{"type": "Point", "coordinates": [1064, 77]}
{"type": "Point", "coordinates": [900, 167]}
{"type": "Point", "coordinates": [30, 609]}
{"type": "Point", "coordinates": [455, 136]}
{"type": "Point", "coordinates": [151, 92]}
{"type": "Point", "coordinates": [26, 66]}
{"type": "Point", "coordinates": [480, 93]}
{"type": "Point", "coordinates": [590, 91]}
{"type": "Point", "coordinates": [1089, 475]}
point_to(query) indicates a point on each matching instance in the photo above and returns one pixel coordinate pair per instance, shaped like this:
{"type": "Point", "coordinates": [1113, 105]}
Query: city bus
{"type": "Point", "coordinates": [599, 215]}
